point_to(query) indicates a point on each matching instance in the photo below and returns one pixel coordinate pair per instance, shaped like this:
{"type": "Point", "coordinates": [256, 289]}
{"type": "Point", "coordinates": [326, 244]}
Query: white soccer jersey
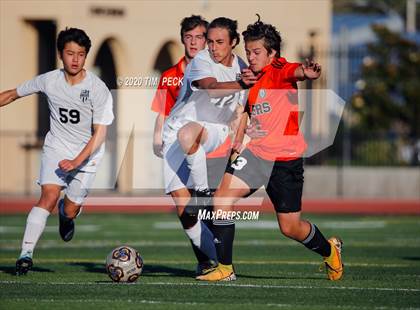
{"type": "Point", "coordinates": [196, 105]}
{"type": "Point", "coordinates": [73, 111]}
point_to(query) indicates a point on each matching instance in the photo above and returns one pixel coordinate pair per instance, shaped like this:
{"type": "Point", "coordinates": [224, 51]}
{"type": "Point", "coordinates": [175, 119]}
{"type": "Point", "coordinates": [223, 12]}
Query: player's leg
{"type": "Point", "coordinates": [78, 185]}
{"type": "Point", "coordinates": [310, 236]}
{"type": "Point", "coordinates": [231, 190]}
{"type": "Point", "coordinates": [242, 177]}
{"type": "Point", "coordinates": [35, 225]}
{"type": "Point", "coordinates": [67, 211]}
{"type": "Point", "coordinates": [176, 175]}
{"type": "Point", "coordinates": [285, 191]}
{"type": "Point", "coordinates": [216, 167]}
{"type": "Point", "coordinates": [191, 137]}
{"type": "Point", "coordinates": [200, 236]}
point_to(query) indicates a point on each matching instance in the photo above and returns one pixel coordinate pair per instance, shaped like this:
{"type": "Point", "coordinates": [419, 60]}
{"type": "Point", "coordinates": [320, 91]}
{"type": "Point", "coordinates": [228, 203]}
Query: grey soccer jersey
{"type": "Point", "coordinates": [196, 105]}
{"type": "Point", "coordinates": [73, 111]}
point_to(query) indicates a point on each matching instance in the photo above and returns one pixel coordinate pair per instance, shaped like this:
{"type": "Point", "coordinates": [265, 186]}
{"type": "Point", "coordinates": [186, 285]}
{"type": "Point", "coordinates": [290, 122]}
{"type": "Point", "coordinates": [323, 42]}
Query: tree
{"type": "Point", "coordinates": [389, 96]}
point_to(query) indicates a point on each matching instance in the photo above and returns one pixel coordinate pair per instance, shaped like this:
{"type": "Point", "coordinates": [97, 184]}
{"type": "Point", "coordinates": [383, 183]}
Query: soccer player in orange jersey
{"type": "Point", "coordinates": [193, 37]}
{"type": "Point", "coordinates": [273, 157]}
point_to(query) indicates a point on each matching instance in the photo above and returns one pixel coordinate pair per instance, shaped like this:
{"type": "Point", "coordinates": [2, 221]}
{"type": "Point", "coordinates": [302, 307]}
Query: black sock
{"type": "Point", "coordinates": [316, 242]}
{"type": "Point", "coordinates": [224, 233]}
{"type": "Point", "coordinates": [201, 257]}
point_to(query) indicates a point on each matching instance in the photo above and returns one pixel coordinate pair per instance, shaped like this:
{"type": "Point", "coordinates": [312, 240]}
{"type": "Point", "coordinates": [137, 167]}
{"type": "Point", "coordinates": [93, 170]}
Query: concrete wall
{"type": "Point", "coordinates": [136, 38]}
{"type": "Point", "coordinates": [362, 182]}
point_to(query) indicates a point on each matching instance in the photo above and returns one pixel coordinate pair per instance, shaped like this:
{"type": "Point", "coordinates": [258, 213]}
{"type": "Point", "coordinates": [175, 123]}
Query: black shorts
{"type": "Point", "coordinates": [283, 180]}
{"type": "Point", "coordinates": [215, 170]}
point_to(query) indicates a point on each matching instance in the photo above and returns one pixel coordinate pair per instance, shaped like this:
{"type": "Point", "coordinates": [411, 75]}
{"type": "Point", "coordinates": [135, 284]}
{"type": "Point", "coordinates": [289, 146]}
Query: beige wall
{"type": "Point", "coordinates": [136, 40]}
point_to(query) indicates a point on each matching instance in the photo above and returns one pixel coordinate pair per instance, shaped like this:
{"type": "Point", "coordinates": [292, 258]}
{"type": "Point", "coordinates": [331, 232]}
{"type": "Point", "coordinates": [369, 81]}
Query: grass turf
{"type": "Point", "coordinates": [381, 256]}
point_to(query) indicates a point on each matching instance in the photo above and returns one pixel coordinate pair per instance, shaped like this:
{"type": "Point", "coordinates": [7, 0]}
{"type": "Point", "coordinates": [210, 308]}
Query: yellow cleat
{"type": "Point", "coordinates": [220, 273]}
{"type": "Point", "coordinates": [333, 263]}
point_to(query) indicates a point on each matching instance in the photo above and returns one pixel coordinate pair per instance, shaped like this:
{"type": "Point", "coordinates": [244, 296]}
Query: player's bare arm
{"type": "Point", "coordinates": [98, 137]}
{"type": "Point", "coordinates": [238, 142]}
{"type": "Point", "coordinates": [157, 135]}
{"type": "Point", "coordinates": [310, 70]}
{"type": "Point", "coordinates": [221, 89]}
{"type": "Point", "coordinates": [8, 96]}
{"type": "Point", "coordinates": [236, 118]}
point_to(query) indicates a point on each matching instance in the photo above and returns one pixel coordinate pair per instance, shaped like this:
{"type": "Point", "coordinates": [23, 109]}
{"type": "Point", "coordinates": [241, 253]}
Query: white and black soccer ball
{"type": "Point", "coordinates": [124, 264]}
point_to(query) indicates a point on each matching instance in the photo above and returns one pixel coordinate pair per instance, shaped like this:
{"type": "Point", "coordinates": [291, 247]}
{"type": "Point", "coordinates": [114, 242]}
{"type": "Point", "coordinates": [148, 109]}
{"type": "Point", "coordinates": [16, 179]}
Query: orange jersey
{"type": "Point", "coordinates": [273, 105]}
{"type": "Point", "coordinates": [170, 84]}
{"type": "Point", "coordinates": [168, 89]}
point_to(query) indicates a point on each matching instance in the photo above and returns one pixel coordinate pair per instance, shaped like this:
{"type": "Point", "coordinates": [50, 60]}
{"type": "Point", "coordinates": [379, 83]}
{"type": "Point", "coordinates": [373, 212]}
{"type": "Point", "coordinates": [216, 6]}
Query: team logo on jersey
{"type": "Point", "coordinates": [262, 93]}
{"type": "Point", "coordinates": [84, 95]}
{"type": "Point", "coordinates": [261, 108]}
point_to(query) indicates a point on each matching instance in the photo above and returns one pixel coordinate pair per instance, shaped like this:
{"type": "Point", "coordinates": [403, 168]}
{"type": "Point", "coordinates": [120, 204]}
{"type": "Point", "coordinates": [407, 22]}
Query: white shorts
{"type": "Point", "coordinates": [76, 184]}
{"type": "Point", "coordinates": [175, 170]}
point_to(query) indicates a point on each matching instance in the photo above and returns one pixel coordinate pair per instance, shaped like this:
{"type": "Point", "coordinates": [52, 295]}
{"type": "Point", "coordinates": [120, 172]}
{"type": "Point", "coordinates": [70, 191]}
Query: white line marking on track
{"type": "Point", "coordinates": [273, 225]}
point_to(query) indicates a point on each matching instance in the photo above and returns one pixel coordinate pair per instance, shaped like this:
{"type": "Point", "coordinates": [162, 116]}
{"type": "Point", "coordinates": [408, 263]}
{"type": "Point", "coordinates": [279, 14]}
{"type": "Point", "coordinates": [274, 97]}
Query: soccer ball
{"type": "Point", "coordinates": [124, 264]}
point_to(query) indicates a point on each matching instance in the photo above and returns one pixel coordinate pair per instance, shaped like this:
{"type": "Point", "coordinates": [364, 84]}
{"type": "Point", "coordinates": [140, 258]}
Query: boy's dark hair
{"type": "Point", "coordinates": [259, 30]}
{"type": "Point", "coordinates": [73, 35]}
{"type": "Point", "coordinates": [189, 23]}
{"type": "Point", "coordinates": [230, 25]}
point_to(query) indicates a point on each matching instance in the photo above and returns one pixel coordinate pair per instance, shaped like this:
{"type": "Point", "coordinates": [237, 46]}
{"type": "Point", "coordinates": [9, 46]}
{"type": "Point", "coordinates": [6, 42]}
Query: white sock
{"type": "Point", "coordinates": [202, 237]}
{"type": "Point", "coordinates": [35, 224]}
{"type": "Point", "coordinates": [198, 166]}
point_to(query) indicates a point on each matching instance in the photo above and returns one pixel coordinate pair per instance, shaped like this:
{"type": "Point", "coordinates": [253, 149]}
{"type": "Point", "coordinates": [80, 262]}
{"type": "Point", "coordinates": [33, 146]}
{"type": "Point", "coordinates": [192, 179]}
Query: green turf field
{"type": "Point", "coordinates": [381, 256]}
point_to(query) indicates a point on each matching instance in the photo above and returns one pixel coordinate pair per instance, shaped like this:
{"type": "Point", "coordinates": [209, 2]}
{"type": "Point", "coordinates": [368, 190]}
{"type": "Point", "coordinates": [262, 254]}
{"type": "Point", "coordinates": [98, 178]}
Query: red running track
{"type": "Point", "coordinates": [165, 205]}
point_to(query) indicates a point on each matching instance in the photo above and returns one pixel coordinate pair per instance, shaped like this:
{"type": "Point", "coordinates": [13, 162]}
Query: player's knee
{"type": "Point", "coordinates": [48, 200]}
{"type": "Point", "coordinates": [187, 137]}
{"type": "Point", "coordinates": [290, 230]}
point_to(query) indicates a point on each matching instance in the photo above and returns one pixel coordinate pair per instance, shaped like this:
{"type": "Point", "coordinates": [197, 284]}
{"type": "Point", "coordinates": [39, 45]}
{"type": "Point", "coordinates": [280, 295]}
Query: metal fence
{"type": "Point", "coordinates": [342, 74]}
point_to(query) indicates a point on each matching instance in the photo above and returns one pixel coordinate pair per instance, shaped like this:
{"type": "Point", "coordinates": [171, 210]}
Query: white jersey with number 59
{"type": "Point", "coordinates": [73, 111]}
{"type": "Point", "coordinates": [196, 105]}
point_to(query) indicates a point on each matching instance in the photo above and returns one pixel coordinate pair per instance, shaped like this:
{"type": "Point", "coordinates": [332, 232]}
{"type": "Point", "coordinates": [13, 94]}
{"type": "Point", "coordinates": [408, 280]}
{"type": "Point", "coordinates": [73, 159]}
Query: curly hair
{"type": "Point", "coordinates": [260, 30]}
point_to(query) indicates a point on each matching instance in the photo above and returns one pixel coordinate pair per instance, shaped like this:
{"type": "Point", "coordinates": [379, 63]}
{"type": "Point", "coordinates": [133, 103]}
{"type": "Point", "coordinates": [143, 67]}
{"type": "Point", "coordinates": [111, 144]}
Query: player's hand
{"type": "Point", "coordinates": [68, 165]}
{"type": "Point", "coordinates": [158, 149]}
{"type": "Point", "coordinates": [248, 77]}
{"type": "Point", "coordinates": [238, 147]}
{"type": "Point", "coordinates": [254, 130]}
{"type": "Point", "coordinates": [311, 69]}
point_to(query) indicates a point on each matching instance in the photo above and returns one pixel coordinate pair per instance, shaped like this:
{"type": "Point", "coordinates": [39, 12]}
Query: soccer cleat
{"type": "Point", "coordinates": [66, 225]}
{"type": "Point", "coordinates": [205, 267]}
{"type": "Point", "coordinates": [23, 265]}
{"type": "Point", "coordinates": [333, 263]}
{"type": "Point", "coordinates": [220, 273]}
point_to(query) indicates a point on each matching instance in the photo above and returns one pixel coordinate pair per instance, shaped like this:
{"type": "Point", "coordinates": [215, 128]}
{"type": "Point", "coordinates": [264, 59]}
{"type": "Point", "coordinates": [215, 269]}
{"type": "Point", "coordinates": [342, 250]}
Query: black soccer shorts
{"type": "Point", "coordinates": [215, 170]}
{"type": "Point", "coordinates": [283, 180]}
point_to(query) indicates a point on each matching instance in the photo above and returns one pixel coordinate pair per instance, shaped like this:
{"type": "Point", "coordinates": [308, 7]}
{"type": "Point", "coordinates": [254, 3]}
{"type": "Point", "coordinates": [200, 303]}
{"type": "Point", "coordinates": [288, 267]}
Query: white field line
{"type": "Point", "coordinates": [147, 301]}
{"type": "Point", "coordinates": [265, 286]}
{"type": "Point", "coordinates": [239, 262]}
{"type": "Point", "coordinates": [14, 244]}
{"type": "Point", "coordinates": [256, 224]}
{"type": "Point", "coordinates": [19, 229]}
